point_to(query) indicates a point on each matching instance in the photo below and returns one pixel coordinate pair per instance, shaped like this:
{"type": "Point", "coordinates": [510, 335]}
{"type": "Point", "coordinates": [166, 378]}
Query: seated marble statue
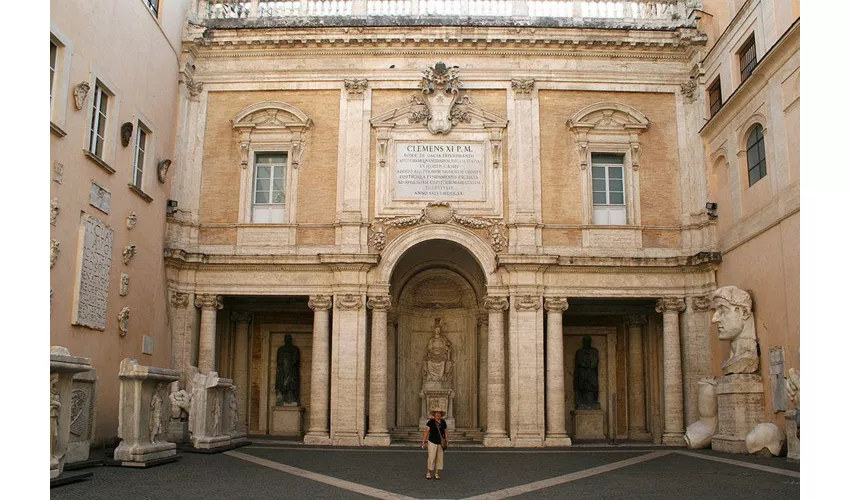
{"type": "Point", "coordinates": [437, 365]}
{"type": "Point", "coordinates": [734, 319]}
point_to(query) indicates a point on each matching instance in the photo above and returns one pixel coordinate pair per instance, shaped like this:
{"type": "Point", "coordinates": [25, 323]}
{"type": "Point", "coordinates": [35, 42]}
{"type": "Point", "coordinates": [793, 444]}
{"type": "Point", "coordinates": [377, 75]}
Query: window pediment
{"type": "Point", "coordinates": [609, 116]}
{"type": "Point", "coordinates": [272, 122]}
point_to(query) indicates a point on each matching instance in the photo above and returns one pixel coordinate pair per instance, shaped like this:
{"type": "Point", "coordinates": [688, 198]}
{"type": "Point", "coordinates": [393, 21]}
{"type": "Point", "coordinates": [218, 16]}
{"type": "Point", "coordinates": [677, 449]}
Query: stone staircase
{"type": "Point", "coordinates": [461, 435]}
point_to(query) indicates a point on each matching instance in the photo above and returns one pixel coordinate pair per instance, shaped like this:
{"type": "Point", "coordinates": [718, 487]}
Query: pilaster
{"type": "Point", "coordinates": [495, 434]}
{"type": "Point", "coordinates": [241, 354]}
{"type": "Point", "coordinates": [348, 371]}
{"type": "Point", "coordinates": [524, 167]}
{"type": "Point", "coordinates": [637, 381]}
{"type": "Point", "coordinates": [696, 351]}
{"type": "Point", "coordinates": [353, 166]}
{"type": "Point", "coordinates": [525, 354]}
{"type": "Point", "coordinates": [378, 434]}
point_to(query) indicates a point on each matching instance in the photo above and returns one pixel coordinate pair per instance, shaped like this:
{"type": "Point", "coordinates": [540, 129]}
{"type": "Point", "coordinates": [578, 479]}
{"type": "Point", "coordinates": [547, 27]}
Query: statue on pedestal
{"type": "Point", "coordinates": [437, 364]}
{"type": "Point", "coordinates": [586, 381]}
{"type": "Point", "coordinates": [734, 319]}
{"type": "Point", "coordinates": [287, 383]}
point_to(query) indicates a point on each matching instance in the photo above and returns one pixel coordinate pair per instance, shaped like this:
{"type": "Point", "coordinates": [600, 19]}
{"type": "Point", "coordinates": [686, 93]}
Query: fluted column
{"type": "Point", "coordinates": [496, 435]}
{"type": "Point", "coordinates": [556, 420]}
{"type": "Point", "coordinates": [241, 353]}
{"type": "Point", "coordinates": [318, 431]}
{"type": "Point", "coordinates": [209, 304]}
{"type": "Point", "coordinates": [674, 428]}
{"type": "Point", "coordinates": [378, 434]}
{"type": "Point", "coordinates": [637, 394]}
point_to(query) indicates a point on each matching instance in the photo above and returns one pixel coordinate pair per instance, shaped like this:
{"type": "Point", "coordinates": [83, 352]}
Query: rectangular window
{"type": "Point", "coordinates": [54, 51]}
{"type": "Point", "coordinates": [609, 200]}
{"type": "Point", "coordinates": [747, 58]}
{"type": "Point", "coordinates": [269, 182]}
{"type": "Point", "coordinates": [139, 157]}
{"type": "Point", "coordinates": [100, 100]}
{"type": "Point", "coordinates": [153, 5]}
{"type": "Point", "coordinates": [715, 98]}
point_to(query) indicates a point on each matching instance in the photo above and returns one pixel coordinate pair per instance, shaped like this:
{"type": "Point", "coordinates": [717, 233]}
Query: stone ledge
{"type": "Point", "coordinates": [97, 161]}
{"type": "Point", "coordinates": [141, 194]}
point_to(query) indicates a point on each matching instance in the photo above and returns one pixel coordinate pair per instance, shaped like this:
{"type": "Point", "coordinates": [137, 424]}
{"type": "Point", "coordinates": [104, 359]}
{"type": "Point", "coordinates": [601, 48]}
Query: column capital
{"type": "Point", "coordinates": [209, 301]}
{"type": "Point", "coordinates": [495, 303]}
{"type": "Point", "coordinates": [179, 299]}
{"type": "Point", "coordinates": [319, 302]}
{"type": "Point", "coordinates": [522, 87]}
{"type": "Point", "coordinates": [555, 304]}
{"type": "Point", "coordinates": [636, 320]}
{"type": "Point", "coordinates": [241, 316]}
{"type": "Point", "coordinates": [379, 303]}
{"type": "Point", "coordinates": [526, 303]}
{"type": "Point", "coordinates": [670, 304]}
{"type": "Point", "coordinates": [356, 87]}
{"type": "Point", "coordinates": [700, 303]}
{"type": "Point", "coordinates": [349, 302]}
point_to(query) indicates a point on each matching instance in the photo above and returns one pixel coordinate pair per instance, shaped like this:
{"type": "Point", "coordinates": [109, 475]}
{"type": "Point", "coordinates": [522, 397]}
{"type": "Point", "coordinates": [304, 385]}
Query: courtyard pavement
{"type": "Point", "coordinates": [278, 470]}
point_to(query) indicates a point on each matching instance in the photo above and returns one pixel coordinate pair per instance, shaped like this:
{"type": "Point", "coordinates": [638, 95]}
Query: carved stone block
{"type": "Point", "coordinates": [740, 402]}
{"type": "Point", "coordinates": [100, 198]}
{"type": "Point", "coordinates": [588, 424]}
{"type": "Point", "coordinates": [288, 420]}
{"type": "Point", "coordinates": [83, 405]}
{"type": "Point", "coordinates": [63, 367]}
{"type": "Point", "coordinates": [143, 412]}
{"type": "Point", "coordinates": [211, 419]}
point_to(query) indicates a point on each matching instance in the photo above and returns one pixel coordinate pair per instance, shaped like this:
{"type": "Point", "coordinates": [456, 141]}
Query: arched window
{"type": "Point", "coordinates": [756, 162]}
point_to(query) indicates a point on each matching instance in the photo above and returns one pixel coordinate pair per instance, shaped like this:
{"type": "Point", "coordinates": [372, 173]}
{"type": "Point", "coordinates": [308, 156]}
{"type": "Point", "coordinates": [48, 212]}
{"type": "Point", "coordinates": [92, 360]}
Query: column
{"type": "Point", "coordinates": [696, 351]}
{"type": "Point", "coordinates": [527, 425]}
{"type": "Point", "coordinates": [241, 353]}
{"type": "Point", "coordinates": [482, 370]}
{"type": "Point", "coordinates": [496, 435]}
{"type": "Point", "coordinates": [209, 304]}
{"type": "Point", "coordinates": [637, 393]}
{"type": "Point", "coordinates": [674, 428]}
{"type": "Point", "coordinates": [378, 434]}
{"type": "Point", "coordinates": [556, 420]}
{"type": "Point", "coordinates": [317, 432]}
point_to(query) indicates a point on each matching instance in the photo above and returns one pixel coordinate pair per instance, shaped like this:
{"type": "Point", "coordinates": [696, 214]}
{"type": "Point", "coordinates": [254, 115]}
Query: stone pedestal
{"type": "Point", "coordinates": [288, 420]}
{"type": "Point", "coordinates": [143, 407]}
{"type": "Point", "coordinates": [740, 402]}
{"type": "Point", "coordinates": [83, 405]}
{"type": "Point", "coordinates": [435, 396]}
{"type": "Point", "coordinates": [63, 367]}
{"type": "Point", "coordinates": [210, 417]}
{"type": "Point", "coordinates": [588, 424]}
{"type": "Point", "coordinates": [791, 435]}
{"type": "Point", "coordinates": [177, 431]}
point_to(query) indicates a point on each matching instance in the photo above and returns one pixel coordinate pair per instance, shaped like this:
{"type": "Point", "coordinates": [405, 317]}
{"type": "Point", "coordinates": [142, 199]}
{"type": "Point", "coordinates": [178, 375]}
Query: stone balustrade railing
{"type": "Point", "coordinates": [641, 10]}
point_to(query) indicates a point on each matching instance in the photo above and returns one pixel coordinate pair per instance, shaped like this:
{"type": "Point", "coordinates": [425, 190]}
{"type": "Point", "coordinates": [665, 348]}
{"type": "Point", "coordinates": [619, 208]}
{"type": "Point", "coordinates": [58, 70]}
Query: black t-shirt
{"type": "Point", "coordinates": [433, 433]}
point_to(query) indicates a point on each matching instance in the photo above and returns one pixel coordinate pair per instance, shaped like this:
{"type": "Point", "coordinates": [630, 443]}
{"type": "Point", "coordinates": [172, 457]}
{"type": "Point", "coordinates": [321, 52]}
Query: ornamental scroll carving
{"type": "Point", "coordinates": [527, 303]}
{"type": "Point", "coordinates": [556, 304]}
{"type": "Point", "coordinates": [438, 213]}
{"type": "Point", "coordinates": [495, 304]}
{"type": "Point", "coordinates": [319, 302]}
{"type": "Point", "coordinates": [81, 91]}
{"type": "Point", "coordinates": [349, 302]}
{"type": "Point", "coordinates": [209, 301]}
{"type": "Point", "coordinates": [356, 86]}
{"type": "Point", "coordinates": [523, 87]}
{"type": "Point", "coordinates": [179, 299]}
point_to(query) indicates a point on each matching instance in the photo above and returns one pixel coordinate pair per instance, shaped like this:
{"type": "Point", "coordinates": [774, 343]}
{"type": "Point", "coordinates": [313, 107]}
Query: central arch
{"type": "Point", "coordinates": [438, 279]}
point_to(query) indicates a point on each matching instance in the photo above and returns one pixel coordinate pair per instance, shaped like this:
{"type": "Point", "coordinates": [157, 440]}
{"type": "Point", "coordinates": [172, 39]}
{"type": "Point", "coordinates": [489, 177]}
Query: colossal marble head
{"type": "Point", "coordinates": [733, 309]}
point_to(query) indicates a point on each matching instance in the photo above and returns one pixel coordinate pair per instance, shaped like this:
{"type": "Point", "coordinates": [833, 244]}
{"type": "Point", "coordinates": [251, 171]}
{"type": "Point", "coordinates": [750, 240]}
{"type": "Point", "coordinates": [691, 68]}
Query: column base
{"type": "Point", "coordinates": [377, 439]}
{"type": "Point", "coordinates": [497, 441]}
{"type": "Point", "coordinates": [557, 440]}
{"type": "Point", "coordinates": [317, 438]}
{"type": "Point", "coordinates": [528, 442]}
{"type": "Point", "coordinates": [640, 435]}
{"type": "Point", "coordinates": [347, 439]}
{"type": "Point", "coordinates": [673, 439]}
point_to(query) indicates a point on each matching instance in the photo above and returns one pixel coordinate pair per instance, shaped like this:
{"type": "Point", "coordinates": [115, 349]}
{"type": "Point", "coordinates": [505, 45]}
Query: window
{"type": "Point", "coordinates": [715, 98]}
{"type": "Point", "coordinates": [97, 132]}
{"type": "Point", "coordinates": [153, 6]}
{"type": "Point", "coordinates": [54, 52]}
{"type": "Point", "coordinates": [139, 158]}
{"type": "Point", "coordinates": [756, 161]}
{"type": "Point", "coordinates": [747, 58]}
{"type": "Point", "coordinates": [609, 201]}
{"type": "Point", "coordinates": [269, 182]}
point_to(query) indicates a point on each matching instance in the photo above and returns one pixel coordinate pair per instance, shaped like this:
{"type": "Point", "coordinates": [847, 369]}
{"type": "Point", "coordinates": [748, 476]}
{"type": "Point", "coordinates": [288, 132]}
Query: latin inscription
{"type": "Point", "coordinates": [441, 171]}
{"type": "Point", "coordinates": [93, 287]}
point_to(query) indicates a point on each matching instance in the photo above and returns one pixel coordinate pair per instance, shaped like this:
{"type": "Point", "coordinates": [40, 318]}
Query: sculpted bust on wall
{"type": "Point", "coordinates": [734, 319]}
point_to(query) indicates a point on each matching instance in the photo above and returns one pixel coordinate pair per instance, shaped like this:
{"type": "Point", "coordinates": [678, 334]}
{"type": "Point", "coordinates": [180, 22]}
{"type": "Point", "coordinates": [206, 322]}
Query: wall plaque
{"type": "Point", "coordinates": [94, 263]}
{"type": "Point", "coordinates": [100, 198]}
{"type": "Point", "coordinates": [450, 170]}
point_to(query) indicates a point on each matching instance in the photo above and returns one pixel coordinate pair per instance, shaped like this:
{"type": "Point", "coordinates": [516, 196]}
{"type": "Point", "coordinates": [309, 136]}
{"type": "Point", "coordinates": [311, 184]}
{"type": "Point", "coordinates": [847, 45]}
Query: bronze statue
{"type": "Point", "coordinates": [586, 381]}
{"type": "Point", "coordinates": [287, 383]}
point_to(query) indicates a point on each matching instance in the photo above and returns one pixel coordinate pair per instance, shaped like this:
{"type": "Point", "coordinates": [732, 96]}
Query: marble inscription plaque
{"type": "Point", "coordinates": [439, 170]}
{"type": "Point", "coordinates": [93, 284]}
{"type": "Point", "coordinates": [100, 198]}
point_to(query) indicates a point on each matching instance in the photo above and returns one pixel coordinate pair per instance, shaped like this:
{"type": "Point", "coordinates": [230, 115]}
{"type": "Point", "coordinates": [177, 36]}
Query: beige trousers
{"type": "Point", "coordinates": [435, 456]}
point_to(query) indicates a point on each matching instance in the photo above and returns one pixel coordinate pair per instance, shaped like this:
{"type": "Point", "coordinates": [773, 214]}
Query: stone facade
{"type": "Point", "coordinates": [522, 182]}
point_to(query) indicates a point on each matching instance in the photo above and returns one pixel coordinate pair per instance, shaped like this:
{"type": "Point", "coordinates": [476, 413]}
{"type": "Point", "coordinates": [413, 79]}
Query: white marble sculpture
{"type": "Point", "coordinates": [180, 403]}
{"type": "Point", "coordinates": [699, 433]}
{"type": "Point", "coordinates": [209, 417]}
{"type": "Point", "coordinates": [734, 319]}
{"type": "Point", "coordinates": [157, 414]}
{"type": "Point", "coordinates": [437, 364]}
{"type": "Point", "coordinates": [792, 387]}
{"type": "Point", "coordinates": [765, 436]}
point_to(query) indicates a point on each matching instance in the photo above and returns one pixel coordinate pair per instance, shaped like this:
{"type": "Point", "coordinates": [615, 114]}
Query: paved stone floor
{"type": "Point", "coordinates": [271, 470]}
